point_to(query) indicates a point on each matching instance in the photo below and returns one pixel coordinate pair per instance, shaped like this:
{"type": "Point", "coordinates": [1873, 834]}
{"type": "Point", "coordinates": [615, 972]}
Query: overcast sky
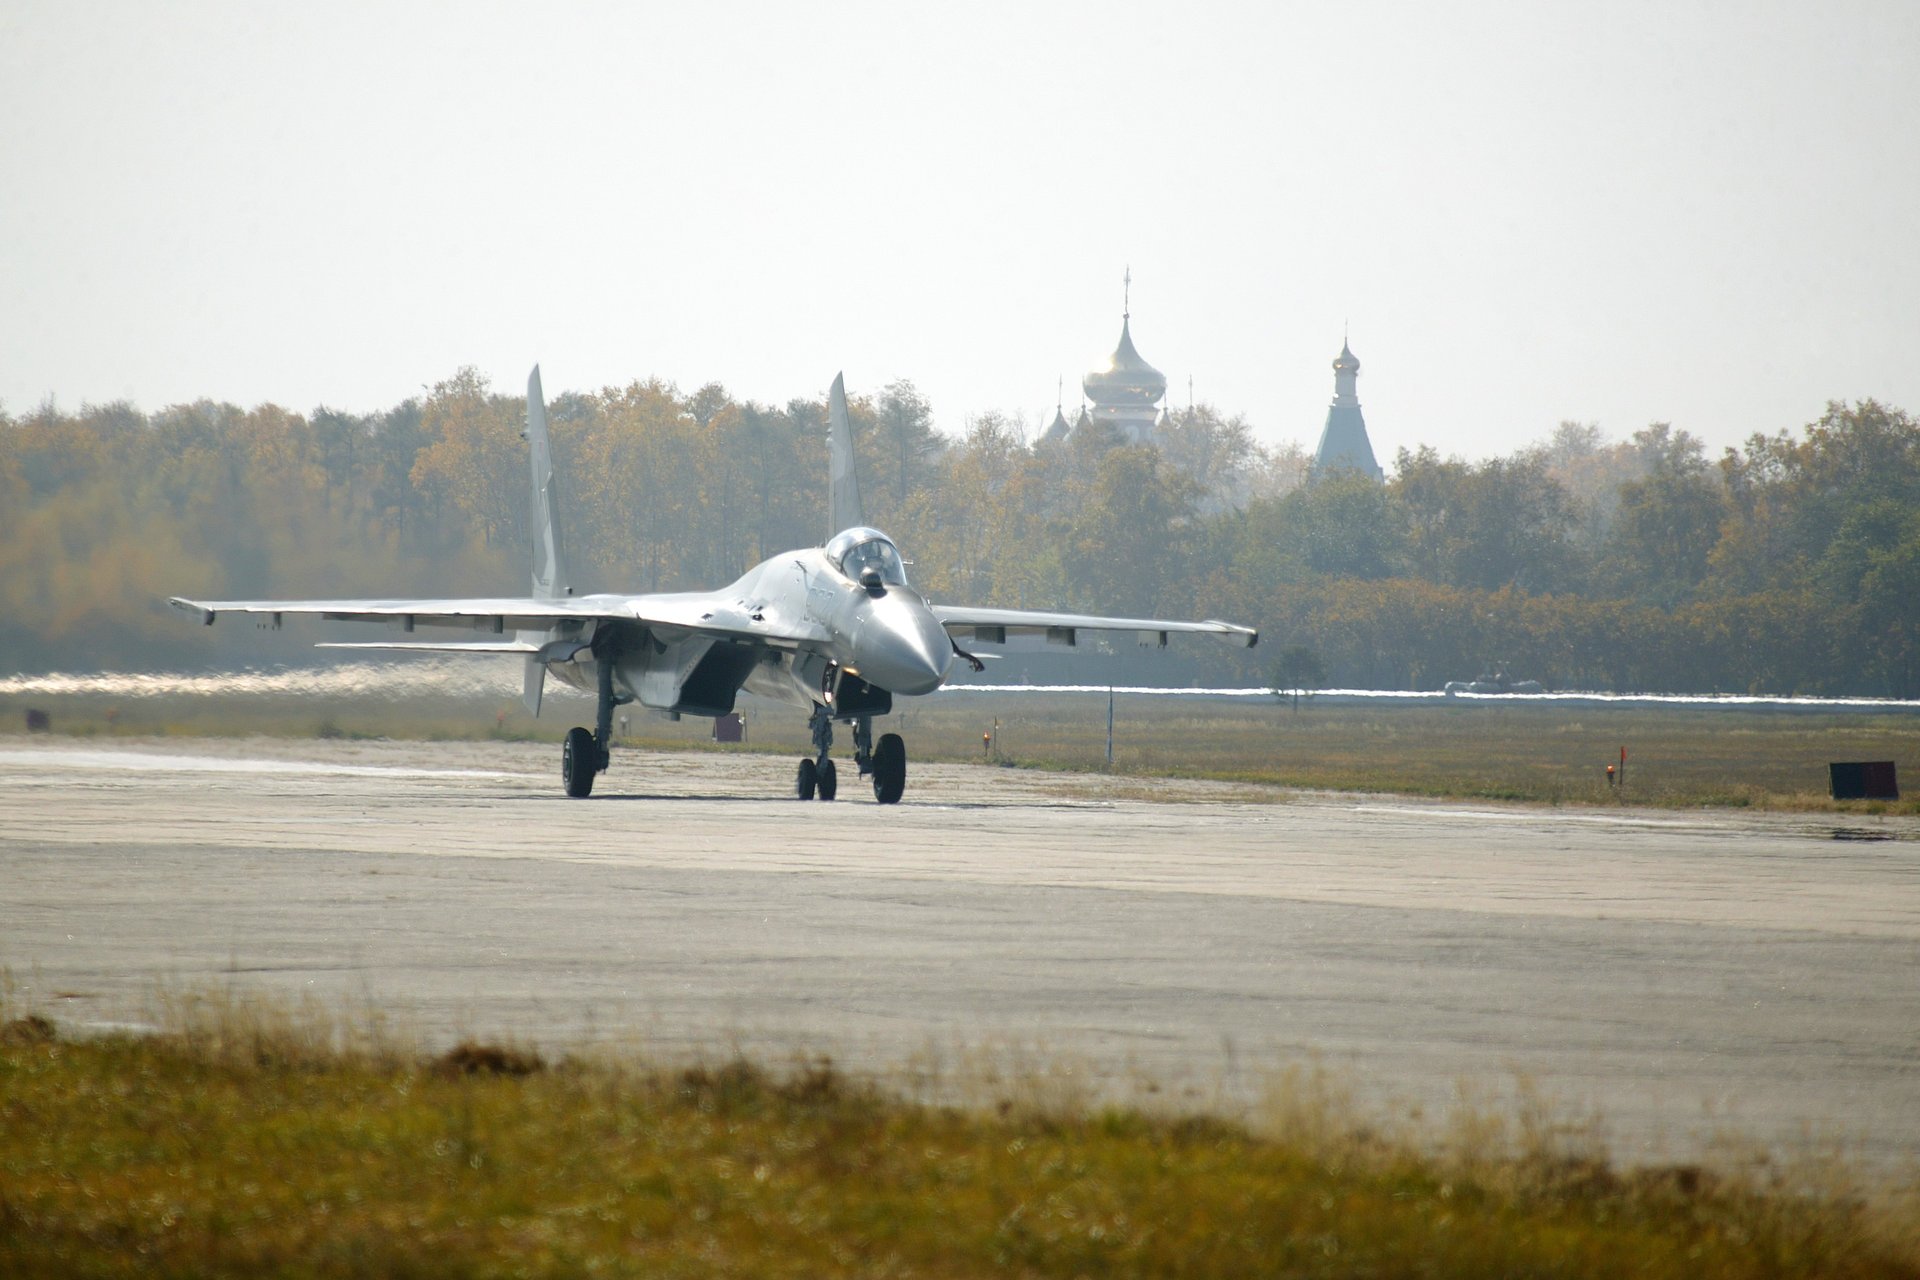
{"type": "Point", "coordinates": [1608, 212]}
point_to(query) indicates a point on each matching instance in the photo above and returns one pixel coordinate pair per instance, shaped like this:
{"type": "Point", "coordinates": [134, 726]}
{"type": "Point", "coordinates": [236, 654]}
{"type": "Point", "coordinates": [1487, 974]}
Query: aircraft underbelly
{"type": "Point", "coordinates": [779, 682]}
{"type": "Point", "coordinates": [696, 675]}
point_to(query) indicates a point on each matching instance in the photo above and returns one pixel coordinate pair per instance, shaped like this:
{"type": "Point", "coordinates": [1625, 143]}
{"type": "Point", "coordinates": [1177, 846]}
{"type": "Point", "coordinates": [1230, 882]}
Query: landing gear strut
{"type": "Point", "coordinates": [863, 744]}
{"type": "Point", "coordinates": [586, 755]}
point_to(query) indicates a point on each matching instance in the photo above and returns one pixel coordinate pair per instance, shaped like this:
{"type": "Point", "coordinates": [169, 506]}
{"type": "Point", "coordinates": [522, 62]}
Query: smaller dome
{"type": "Point", "coordinates": [1346, 359]}
{"type": "Point", "coordinates": [1057, 429]}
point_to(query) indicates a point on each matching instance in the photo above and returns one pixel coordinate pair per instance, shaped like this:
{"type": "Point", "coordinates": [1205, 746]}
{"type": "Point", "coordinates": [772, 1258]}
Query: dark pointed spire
{"type": "Point", "coordinates": [1344, 445]}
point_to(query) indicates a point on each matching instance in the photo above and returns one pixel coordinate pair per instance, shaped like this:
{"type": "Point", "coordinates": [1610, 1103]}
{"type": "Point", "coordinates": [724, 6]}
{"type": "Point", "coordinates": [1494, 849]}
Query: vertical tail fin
{"type": "Point", "coordinates": [550, 580]}
{"type": "Point", "coordinates": [843, 486]}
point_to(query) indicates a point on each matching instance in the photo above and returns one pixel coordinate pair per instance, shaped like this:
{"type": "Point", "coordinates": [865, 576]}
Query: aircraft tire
{"type": "Point", "coordinates": [889, 769]}
{"type": "Point", "coordinates": [579, 762]}
{"type": "Point", "coordinates": [806, 780]}
{"type": "Point", "coordinates": [828, 779]}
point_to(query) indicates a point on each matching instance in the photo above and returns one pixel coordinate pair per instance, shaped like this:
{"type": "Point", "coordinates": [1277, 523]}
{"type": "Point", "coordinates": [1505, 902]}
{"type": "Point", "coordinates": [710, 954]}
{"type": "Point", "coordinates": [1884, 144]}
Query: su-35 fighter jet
{"type": "Point", "coordinates": [835, 630]}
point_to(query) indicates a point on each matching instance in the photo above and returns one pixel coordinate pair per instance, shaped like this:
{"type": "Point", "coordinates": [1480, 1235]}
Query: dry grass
{"type": "Point", "coordinates": [261, 1140]}
{"type": "Point", "coordinates": [1527, 752]}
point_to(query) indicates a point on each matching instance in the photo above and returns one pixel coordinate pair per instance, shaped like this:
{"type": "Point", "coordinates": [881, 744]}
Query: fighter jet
{"type": "Point", "coordinates": [834, 630]}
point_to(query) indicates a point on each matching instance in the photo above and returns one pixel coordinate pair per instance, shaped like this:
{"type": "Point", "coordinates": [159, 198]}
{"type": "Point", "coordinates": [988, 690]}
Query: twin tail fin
{"type": "Point", "coordinates": [550, 578]}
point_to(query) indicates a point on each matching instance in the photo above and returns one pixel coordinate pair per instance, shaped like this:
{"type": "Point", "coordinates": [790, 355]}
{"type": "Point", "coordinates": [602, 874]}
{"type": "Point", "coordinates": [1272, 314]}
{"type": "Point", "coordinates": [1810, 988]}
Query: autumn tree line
{"type": "Point", "coordinates": [1788, 565]}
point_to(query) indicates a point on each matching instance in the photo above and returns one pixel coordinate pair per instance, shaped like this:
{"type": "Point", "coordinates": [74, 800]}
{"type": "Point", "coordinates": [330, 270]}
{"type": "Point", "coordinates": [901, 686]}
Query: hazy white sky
{"type": "Point", "coordinates": [1610, 212]}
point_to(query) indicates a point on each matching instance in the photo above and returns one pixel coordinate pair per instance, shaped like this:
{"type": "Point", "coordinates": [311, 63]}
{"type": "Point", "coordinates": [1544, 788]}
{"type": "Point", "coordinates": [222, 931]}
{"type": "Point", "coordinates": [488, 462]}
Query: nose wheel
{"type": "Point", "coordinates": [819, 781]}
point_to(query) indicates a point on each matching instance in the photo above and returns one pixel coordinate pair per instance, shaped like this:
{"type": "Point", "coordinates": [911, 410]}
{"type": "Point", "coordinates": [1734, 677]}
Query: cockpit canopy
{"type": "Point", "coordinates": [857, 550]}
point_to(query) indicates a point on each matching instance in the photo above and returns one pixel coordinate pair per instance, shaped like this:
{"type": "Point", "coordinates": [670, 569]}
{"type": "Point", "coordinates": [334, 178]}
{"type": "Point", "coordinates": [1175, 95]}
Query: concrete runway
{"type": "Point", "coordinates": [1678, 974]}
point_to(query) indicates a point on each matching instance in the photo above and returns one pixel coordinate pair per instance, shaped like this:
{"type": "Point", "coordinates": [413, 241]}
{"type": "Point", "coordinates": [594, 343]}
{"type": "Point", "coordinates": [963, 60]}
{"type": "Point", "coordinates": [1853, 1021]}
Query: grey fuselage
{"type": "Point", "coordinates": [829, 641]}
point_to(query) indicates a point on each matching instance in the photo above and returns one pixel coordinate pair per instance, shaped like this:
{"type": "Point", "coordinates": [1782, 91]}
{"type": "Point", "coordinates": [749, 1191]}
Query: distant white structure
{"type": "Point", "coordinates": [1343, 443]}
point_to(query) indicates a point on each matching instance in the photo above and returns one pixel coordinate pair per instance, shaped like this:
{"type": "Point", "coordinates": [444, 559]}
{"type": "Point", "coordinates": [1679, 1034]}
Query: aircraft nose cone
{"type": "Point", "coordinates": [903, 647]}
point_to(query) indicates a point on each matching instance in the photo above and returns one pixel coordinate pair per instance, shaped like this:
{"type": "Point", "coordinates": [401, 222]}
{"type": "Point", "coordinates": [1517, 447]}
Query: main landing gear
{"type": "Point", "coordinates": [584, 756]}
{"type": "Point", "coordinates": [889, 769]}
{"type": "Point", "coordinates": [886, 763]}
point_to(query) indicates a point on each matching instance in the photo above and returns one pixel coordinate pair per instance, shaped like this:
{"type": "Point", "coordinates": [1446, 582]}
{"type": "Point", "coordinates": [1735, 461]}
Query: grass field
{"type": "Point", "coordinates": [1542, 753]}
{"type": "Point", "coordinates": [259, 1140]}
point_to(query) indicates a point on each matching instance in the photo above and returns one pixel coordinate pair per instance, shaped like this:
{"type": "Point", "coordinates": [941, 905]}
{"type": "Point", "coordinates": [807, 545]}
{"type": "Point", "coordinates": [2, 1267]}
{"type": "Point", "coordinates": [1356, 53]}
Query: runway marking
{"type": "Point", "coordinates": [1541, 815]}
{"type": "Point", "coordinates": [148, 762]}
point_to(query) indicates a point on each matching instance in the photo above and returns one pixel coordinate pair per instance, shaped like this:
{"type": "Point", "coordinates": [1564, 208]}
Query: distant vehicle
{"type": "Point", "coordinates": [1495, 683]}
{"type": "Point", "coordinates": [834, 630]}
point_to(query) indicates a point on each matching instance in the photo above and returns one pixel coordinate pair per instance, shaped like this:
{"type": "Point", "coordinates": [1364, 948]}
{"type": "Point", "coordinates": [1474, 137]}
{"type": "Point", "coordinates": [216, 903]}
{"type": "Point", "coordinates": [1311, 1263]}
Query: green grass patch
{"type": "Point", "coordinates": [250, 1140]}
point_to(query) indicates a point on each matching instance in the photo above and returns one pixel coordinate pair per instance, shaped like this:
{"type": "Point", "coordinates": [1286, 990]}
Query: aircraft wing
{"type": "Point", "coordinates": [997, 624]}
{"type": "Point", "coordinates": [483, 613]}
{"type": "Point", "coordinates": [701, 612]}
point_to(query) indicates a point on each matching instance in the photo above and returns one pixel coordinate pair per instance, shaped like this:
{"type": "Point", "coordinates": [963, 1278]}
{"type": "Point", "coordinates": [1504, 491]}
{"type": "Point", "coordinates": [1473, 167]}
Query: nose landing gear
{"type": "Point", "coordinates": [885, 763]}
{"type": "Point", "coordinates": [817, 776]}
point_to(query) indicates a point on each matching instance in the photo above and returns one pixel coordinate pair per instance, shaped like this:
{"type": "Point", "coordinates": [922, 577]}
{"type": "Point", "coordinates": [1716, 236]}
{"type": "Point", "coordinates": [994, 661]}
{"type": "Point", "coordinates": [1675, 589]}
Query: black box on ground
{"type": "Point", "coordinates": [1863, 780]}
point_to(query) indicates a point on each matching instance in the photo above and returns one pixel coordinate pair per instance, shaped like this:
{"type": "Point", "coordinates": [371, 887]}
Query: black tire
{"type": "Point", "coordinates": [806, 780]}
{"type": "Point", "coordinates": [829, 778]}
{"type": "Point", "coordinates": [889, 769]}
{"type": "Point", "coordinates": [579, 762]}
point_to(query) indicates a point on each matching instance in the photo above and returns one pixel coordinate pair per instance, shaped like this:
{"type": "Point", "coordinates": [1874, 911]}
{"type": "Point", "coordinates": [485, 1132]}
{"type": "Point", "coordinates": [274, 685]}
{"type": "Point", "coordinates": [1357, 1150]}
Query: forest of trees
{"type": "Point", "coordinates": [1788, 565]}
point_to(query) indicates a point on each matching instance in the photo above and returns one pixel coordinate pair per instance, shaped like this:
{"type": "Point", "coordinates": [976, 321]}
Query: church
{"type": "Point", "coordinates": [1127, 393]}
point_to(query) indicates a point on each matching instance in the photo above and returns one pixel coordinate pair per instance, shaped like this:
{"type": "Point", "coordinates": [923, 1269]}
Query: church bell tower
{"type": "Point", "coordinates": [1343, 442]}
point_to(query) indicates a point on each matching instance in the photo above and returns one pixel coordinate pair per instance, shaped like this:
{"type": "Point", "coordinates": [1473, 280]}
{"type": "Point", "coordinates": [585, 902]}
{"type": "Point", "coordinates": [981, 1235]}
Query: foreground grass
{"type": "Point", "coordinates": [1678, 757]}
{"type": "Point", "coordinates": [242, 1145]}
